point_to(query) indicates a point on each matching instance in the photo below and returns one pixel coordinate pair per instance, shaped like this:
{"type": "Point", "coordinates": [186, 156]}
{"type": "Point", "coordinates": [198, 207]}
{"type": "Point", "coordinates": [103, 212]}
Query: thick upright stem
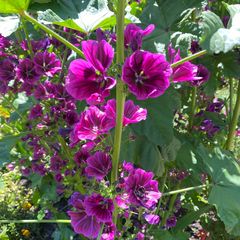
{"type": "Point", "coordinates": [52, 33]}
{"type": "Point", "coordinates": [234, 121]}
{"type": "Point", "coordinates": [120, 95]}
{"type": "Point", "coordinates": [231, 93]}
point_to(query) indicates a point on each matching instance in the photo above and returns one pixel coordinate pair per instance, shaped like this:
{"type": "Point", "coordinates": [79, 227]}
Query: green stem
{"type": "Point", "coordinates": [189, 58]}
{"type": "Point", "coordinates": [30, 50]}
{"type": "Point", "coordinates": [186, 189]}
{"type": "Point", "coordinates": [36, 221]}
{"type": "Point", "coordinates": [52, 33]}
{"type": "Point", "coordinates": [193, 108]}
{"type": "Point", "coordinates": [170, 208]}
{"type": "Point", "coordinates": [231, 93]}
{"type": "Point", "coordinates": [120, 97]}
{"type": "Point", "coordinates": [100, 232]}
{"type": "Point", "coordinates": [234, 122]}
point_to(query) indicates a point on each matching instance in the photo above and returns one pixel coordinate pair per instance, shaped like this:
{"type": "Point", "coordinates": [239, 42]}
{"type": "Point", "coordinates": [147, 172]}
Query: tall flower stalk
{"type": "Point", "coordinates": [234, 121]}
{"type": "Point", "coordinates": [120, 95]}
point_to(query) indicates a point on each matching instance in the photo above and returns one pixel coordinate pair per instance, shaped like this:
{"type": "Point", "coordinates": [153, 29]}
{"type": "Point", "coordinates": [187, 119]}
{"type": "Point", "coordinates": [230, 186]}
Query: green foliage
{"type": "Point", "coordinates": [6, 145]}
{"type": "Point", "coordinates": [15, 6]}
{"type": "Point", "coordinates": [164, 14]}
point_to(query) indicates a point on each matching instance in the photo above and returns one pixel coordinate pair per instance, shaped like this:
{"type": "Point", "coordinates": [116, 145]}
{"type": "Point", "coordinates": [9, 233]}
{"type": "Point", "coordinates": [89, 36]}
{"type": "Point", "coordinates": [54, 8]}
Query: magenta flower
{"type": "Point", "coordinates": [152, 218]}
{"type": "Point", "coordinates": [35, 112]}
{"type": "Point", "coordinates": [83, 223]}
{"type": "Point", "coordinates": [132, 113]}
{"type": "Point", "coordinates": [47, 64]}
{"type": "Point", "coordinates": [89, 77]}
{"type": "Point", "coordinates": [99, 207]}
{"type": "Point", "coordinates": [7, 73]}
{"type": "Point", "coordinates": [184, 72]}
{"type": "Point", "coordinates": [108, 231]}
{"type": "Point", "coordinates": [93, 123]}
{"type": "Point", "coordinates": [4, 42]}
{"type": "Point", "coordinates": [133, 35]}
{"type": "Point", "coordinates": [142, 190]}
{"type": "Point", "coordinates": [26, 71]}
{"type": "Point", "coordinates": [146, 74]}
{"type": "Point", "coordinates": [98, 165]}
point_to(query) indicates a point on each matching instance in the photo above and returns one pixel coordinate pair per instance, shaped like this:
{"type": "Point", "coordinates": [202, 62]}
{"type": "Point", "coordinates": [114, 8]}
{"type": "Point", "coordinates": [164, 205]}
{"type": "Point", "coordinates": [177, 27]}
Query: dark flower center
{"type": "Point", "coordinates": [140, 192]}
{"type": "Point", "coordinates": [140, 78]}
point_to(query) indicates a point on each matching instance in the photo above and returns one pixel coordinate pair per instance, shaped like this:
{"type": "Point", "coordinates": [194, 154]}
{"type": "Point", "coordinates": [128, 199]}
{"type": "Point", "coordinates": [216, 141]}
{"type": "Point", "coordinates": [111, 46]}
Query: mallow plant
{"type": "Point", "coordinates": [126, 130]}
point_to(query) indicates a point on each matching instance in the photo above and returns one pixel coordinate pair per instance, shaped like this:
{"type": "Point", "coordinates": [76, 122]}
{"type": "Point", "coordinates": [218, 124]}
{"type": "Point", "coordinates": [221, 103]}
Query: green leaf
{"type": "Point", "coordinates": [225, 173]}
{"type": "Point", "coordinates": [165, 23]}
{"type": "Point", "coordinates": [13, 6]}
{"type": "Point", "coordinates": [12, 23]}
{"type": "Point", "coordinates": [210, 25]}
{"type": "Point", "coordinates": [6, 145]}
{"type": "Point", "coordinates": [86, 21]}
{"type": "Point", "coordinates": [158, 127]}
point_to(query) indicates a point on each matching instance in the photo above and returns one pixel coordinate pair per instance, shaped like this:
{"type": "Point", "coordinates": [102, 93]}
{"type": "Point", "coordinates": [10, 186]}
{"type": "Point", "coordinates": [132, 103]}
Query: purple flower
{"type": "Point", "coordinates": [201, 77]}
{"type": "Point", "coordinates": [216, 106]}
{"type": "Point", "coordinates": [146, 74]}
{"type": "Point", "coordinates": [171, 222]}
{"type": "Point", "coordinates": [208, 126]}
{"type": "Point", "coordinates": [83, 223]}
{"type": "Point", "coordinates": [108, 231]}
{"type": "Point", "coordinates": [133, 35]}
{"type": "Point", "coordinates": [81, 156]}
{"type": "Point", "coordinates": [140, 236]}
{"type": "Point", "coordinates": [152, 218]}
{"type": "Point", "coordinates": [195, 47]}
{"type": "Point", "coordinates": [76, 200]}
{"type": "Point", "coordinates": [142, 190]}
{"type": "Point", "coordinates": [7, 73]}
{"type": "Point", "coordinates": [36, 45]}
{"type": "Point", "coordinates": [35, 112]}
{"type": "Point", "coordinates": [93, 123]}
{"type": "Point", "coordinates": [98, 165]}
{"type": "Point", "coordinates": [184, 72]}
{"type": "Point", "coordinates": [71, 117]}
{"type": "Point", "coordinates": [99, 207]}
{"type": "Point", "coordinates": [26, 71]}
{"type": "Point", "coordinates": [4, 42]}
{"type": "Point", "coordinates": [47, 64]}
{"type": "Point", "coordinates": [132, 113]}
{"type": "Point", "coordinates": [89, 77]}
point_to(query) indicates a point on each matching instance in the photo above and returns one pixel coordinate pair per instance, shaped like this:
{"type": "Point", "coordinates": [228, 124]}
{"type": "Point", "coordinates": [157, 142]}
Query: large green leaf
{"type": "Point", "coordinates": [13, 6]}
{"type": "Point", "coordinates": [87, 19]}
{"type": "Point", "coordinates": [164, 14]}
{"type": "Point", "coordinates": [225, 174]}
{"type": "Point", "coordinates": [210, 25]}
{"type": "Point", "coordinates": [6, 145]}
{"type": "Point", "coordinates": [158, 127]}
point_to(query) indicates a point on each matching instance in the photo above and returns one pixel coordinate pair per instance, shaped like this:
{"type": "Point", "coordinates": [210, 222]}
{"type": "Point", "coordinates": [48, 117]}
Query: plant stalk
{"type": "Point", "coordinates": [193, 108]}
{"type": "Point", "coordinates": [52, 33]}
{"type": "Point", "coordinates": [120, 97]}
{"type": "Point", "coordinates": [234, 122]}
{"type": "Point", "coordinates": [231, 93]}
{"type": "Point", "coordinates": [189, 58]}
{"type": "Point", "coordinates": [186, 189]}
{"type": "Point", "coordinates": [36, 221]}
{"type": "Point", "coordinates": [30, 49]}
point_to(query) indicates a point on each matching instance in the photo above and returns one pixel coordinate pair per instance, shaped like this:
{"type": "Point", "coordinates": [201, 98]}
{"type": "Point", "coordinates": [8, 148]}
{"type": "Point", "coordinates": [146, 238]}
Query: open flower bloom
{"type": "Point", "coordinates": [132, 113]}
{"type": "Point", "coordinates": [89, 77]}
{"type": "Point", "coordinates": [146, 74]}
{"type": "Point", "coordinates": [26, 71]}
{"type": "Point", "coordinates": [184, 72]}
{"type": "Point", "coordinates": [133, 35]}
{"type": "Point", "coordinates": [93, 122]}
{"type": "Point", "coordinates": [47, 64]}
{"type": "Point", "coordinates": [83, 223]}
{"type": "Point", "coordinates": [98, 165]}
{"type": "Point", "coordinates": [142, 189]}
{"type": "Point", "coordinates": [99, 207]}
{"type": "Point", "coordinates": [202, 76]}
